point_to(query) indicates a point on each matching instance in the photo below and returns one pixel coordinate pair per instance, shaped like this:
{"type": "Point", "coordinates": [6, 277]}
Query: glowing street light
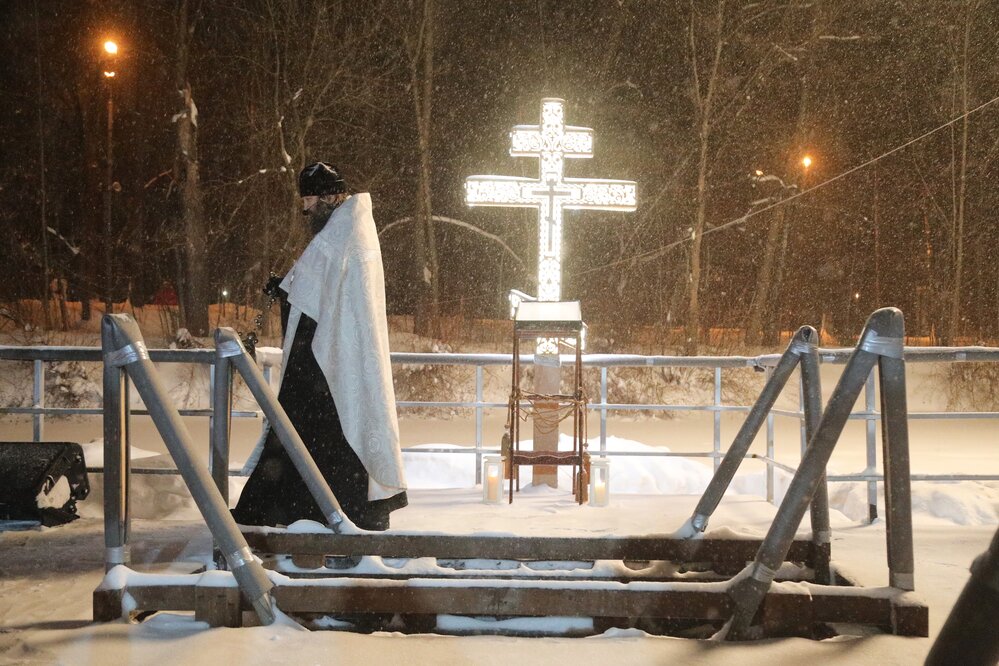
{"type": "Point", "coordinates": [806, 161]}
{"type": "Point", "coordinates": [111, 49]}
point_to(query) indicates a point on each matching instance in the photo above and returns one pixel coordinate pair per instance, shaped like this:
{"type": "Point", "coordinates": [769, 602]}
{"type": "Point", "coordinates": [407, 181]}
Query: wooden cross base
{"type": "Point", "coordinates": [580, 466]}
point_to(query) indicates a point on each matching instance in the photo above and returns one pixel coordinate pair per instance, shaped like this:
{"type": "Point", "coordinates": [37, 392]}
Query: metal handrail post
{"type": "Point", "coordinates": [871, 427]}
{"type": "Point", "coordinates": [38, 401]}
{"type": "Point", "coordinates": [228, 344]}
{"type": "Point", "coordinates": [125, 350]}
{"type": "Point", "coordinates": [771, 470]}
{"type": "Point", "coordinates": [811, 405]}
{"type": "Point", "coordinates": [895, 440]}
{"type": "Point", "coordinates": [969, 635]}
{"type": "Point", "coordinates": [716, 430]}
{"type": "Point", "coordinates": [478, 423]}
{"type": "Point", "coordinates": [264, 425]}
{"type": "Point", "coordinates": [748, 591]}
{"type": "Point", "coordinates": [603, 408]}
{"type": "Point", "coordinates": [117, 522]}
{"type": "Point", "coordinates": [802, 342]}
{"type": "Point", "coordinates": [221, 427]}
{"type": "Point", "coordinates": [802, 434]}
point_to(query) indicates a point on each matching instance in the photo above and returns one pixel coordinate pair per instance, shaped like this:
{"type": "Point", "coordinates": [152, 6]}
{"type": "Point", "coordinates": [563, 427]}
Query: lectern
{"type": "Point", "coordinates": [544, 323]}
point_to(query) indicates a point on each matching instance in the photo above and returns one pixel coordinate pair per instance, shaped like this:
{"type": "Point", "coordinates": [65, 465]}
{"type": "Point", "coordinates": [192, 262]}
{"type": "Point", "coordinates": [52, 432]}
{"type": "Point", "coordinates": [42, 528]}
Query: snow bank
{"type": "Point", "coordinates": [959, 503]}
{"type": "Point", "coordinates": [153, 496]}
{"type": "Point", "coordinates": [628, 474]}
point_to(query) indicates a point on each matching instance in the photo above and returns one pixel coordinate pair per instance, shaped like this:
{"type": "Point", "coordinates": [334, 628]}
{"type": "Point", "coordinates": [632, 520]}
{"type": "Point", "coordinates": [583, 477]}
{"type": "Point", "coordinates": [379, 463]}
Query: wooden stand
{"type": "Point", "coordinates": [548, 409]}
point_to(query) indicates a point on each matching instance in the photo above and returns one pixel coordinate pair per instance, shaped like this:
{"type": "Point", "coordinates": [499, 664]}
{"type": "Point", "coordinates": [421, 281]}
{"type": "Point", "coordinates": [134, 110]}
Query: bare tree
{"type": "Point", "coordinates": [705, 107]}
{"type": "Point", "coordinates": [194, 289]}
{"type": "Point", "coordinates": [43, 194]}
{"type": "Point", "coordinates": [420, 45]}
{"type": "Point", "coordinates": [959, 166]}
{"type": "Point", "coordinates": [314, 83]}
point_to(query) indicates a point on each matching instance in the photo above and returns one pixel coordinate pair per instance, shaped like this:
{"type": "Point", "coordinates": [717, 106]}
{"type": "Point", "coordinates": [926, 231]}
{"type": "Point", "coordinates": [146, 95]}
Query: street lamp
{"type": "Point", "coordinates": [110, 51]}
{"type": "Point", "coordinates": [806, 161]}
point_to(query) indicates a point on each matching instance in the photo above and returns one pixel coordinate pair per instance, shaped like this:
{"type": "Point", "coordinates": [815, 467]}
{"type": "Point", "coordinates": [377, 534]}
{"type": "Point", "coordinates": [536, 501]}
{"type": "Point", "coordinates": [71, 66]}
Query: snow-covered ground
{"type": "Point", "coordinates": [47, 576]}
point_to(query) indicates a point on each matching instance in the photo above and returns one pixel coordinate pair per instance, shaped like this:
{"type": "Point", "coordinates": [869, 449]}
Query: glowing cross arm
{"type": "Point", "coordinates": [589, 194]}
{"type": "Point", "coordinates": [532, 141]}
{"type": "Point", "coordinates": [510, 191]}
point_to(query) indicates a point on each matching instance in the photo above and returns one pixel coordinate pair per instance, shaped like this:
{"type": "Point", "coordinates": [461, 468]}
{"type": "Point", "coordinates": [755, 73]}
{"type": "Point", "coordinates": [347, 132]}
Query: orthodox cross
{"type": "Point", "coordinates": [552, 141]}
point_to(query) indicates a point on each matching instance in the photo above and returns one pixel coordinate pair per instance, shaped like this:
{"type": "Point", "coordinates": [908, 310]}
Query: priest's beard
{"type": "Point", "coordinates": [319, 215]}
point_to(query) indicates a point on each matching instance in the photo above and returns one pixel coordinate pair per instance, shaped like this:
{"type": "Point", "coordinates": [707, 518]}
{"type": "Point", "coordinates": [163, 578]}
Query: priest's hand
{"type": "Point", "coordinates": [273, 286]}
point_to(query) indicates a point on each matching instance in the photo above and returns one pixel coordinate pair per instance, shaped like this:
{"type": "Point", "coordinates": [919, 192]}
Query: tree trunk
{"type": "Point", "coordinates": [954, 329]}
{"type": "Point", "coordinates": [762, 307]}
{"type": "Point", "coordinates": [43, 194]}
{"type": "Point", "coordinates": [427, 319]}
{"type": "Point", "coordinates": [705, 108]}
{"type": "Point", "coordinates": [188, 177]}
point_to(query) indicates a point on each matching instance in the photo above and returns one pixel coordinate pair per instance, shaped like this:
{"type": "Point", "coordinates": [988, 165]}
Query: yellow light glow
{"type": "Point", "coordinates": [111, 47]}
{"type": "Point", "coordinates": [109, 75]}
{"type": "Point", "coordinates": [759, 173]}
{"type": "Point", "coordinates": [806, 161]}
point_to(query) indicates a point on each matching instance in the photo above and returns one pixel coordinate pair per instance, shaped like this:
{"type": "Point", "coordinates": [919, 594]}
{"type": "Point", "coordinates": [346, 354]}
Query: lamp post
{"type": "Point", "coordinates": [110, 51]}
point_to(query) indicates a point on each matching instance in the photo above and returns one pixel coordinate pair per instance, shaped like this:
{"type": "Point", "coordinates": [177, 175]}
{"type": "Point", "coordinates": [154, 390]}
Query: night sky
{"type": "Point", "coordinates": [690, 118]}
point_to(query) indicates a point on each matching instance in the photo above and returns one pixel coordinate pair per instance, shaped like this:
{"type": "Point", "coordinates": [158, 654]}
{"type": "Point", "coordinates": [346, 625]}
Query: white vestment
{"type": "Point", "coordinates": [339, 282]}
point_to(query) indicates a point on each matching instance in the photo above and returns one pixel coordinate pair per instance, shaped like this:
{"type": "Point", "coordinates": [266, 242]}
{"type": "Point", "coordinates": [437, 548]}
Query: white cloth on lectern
{"type": "Point", "coordinates": [339, 282]}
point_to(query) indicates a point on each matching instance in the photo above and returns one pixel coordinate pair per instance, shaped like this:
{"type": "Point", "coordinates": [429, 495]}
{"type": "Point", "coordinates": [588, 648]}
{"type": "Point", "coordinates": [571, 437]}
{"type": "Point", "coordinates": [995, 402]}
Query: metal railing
{"type": "Point", "coordinates": [604, 363]}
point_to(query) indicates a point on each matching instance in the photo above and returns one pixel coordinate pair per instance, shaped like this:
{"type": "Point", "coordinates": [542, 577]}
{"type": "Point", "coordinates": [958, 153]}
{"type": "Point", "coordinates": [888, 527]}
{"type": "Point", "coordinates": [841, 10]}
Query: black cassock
{"type": "Point", "coordinates": [275, 493]}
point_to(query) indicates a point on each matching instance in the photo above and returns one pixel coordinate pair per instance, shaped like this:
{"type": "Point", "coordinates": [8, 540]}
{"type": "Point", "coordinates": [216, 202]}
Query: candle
{"type": "Point", "coordinates": [492, 484]}
{"type": "Point", "coordinates": [599, 492]}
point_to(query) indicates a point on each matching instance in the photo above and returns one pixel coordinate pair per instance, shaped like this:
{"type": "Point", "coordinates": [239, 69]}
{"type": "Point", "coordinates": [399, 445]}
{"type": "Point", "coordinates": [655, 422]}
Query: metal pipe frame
{"type": "Point", "coordinates": [811, 398]}
{"type": "Point", "coordinates": [117, 454]}
{"type": "Point", "coordinates": [880, 342]}
{"type": "Point", "coordinates": [125, 353]}
{"type": "Point", "coordinates": [229, 346]}
{"type": "Point", "coordinates": [803, 343]}
{"type": "Point", "coordinates": [220, 425]}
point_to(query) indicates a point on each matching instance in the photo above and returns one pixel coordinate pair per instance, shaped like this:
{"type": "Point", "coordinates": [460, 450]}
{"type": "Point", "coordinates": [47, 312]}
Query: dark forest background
{"type": "Point", "coordinates": [709, 105]}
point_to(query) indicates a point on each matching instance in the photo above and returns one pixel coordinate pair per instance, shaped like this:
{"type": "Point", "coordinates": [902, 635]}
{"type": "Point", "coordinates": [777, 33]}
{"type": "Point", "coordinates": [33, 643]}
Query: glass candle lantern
{"type": "Point", "coordinates": [599, 482]}
{"type": "Point", "coordinates": [492, 479]}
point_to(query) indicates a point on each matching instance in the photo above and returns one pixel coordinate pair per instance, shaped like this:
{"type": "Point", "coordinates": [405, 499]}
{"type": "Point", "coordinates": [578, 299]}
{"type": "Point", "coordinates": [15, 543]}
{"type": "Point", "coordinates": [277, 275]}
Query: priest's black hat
{"type": "Point", "coordinates": [319, 179]}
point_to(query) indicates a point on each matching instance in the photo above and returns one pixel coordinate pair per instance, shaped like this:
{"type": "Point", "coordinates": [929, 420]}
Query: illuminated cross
{"type": "Point", "coordinates": [551, 192]}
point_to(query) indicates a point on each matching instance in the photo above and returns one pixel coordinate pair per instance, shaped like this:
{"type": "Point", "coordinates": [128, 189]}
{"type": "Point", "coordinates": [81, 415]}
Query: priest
{"type": "Point", "coordinates": [336, 382]}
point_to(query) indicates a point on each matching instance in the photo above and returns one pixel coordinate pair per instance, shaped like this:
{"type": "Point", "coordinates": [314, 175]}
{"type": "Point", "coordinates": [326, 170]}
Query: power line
{"type": "Point", "coordinates": [651, 254]}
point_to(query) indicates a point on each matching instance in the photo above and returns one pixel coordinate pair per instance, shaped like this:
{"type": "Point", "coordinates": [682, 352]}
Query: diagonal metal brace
{"type": "Point", "coordinates": [799, 350]}
{"type": "Point", "coordinates": [228, 343]}
{"type": "Point", "coordinates": [748, 593]}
